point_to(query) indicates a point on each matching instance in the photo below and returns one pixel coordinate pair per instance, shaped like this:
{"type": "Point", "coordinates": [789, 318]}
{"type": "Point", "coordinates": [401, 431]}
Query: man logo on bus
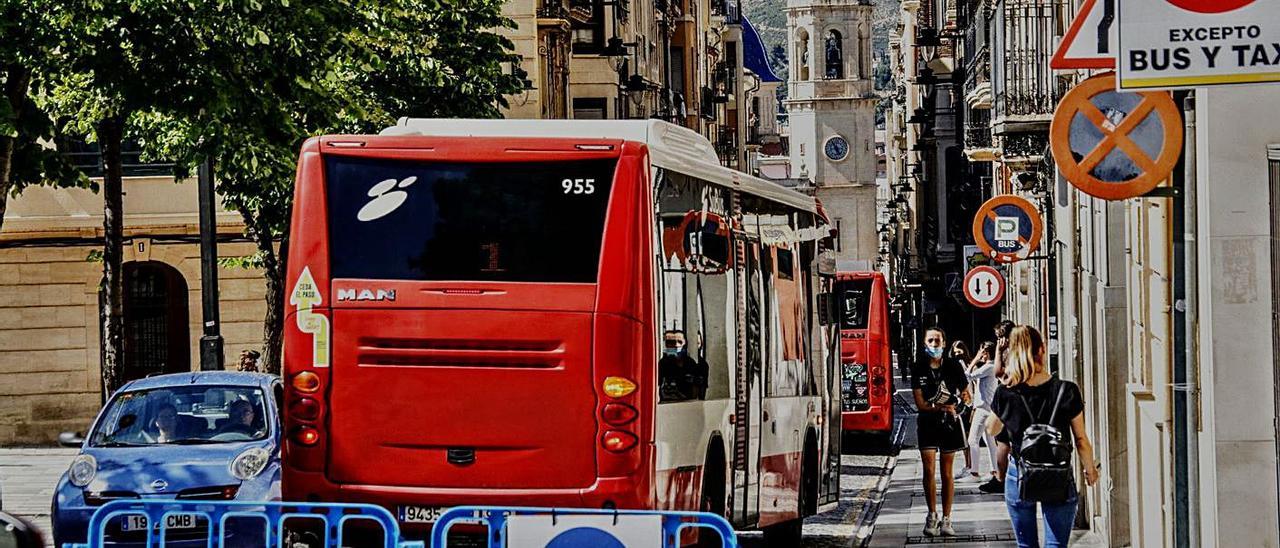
{"type": "Point", "coordinates": [366, 295]}
{"type": "Point", "coordinates": [386, 198]}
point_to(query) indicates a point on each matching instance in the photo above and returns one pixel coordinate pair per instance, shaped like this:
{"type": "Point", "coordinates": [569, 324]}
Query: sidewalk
{"type": "Point", "coordinates": [980, 519]}
{"type": "Point", "coordinates": [27, 479]}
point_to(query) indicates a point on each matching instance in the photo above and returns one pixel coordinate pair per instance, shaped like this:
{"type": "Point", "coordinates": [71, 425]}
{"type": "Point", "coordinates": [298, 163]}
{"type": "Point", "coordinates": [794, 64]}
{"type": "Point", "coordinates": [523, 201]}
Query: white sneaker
{"type": "Point", "coordinates": [946, 529]}
{"type": "Point", "coordinates": [964, 473]}
{"type": "Point", "coordinates": [931, 525]}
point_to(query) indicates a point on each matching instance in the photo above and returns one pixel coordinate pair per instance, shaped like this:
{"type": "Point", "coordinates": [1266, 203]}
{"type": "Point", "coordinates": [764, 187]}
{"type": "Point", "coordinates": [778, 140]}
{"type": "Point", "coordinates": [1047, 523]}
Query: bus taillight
{"type": "Point", "coordinates": [618, 414]}
{"type": "Point", "coordinates": [618, 441]}
{"type": "Point", "coordinates": [306, 409]}
{"type": "Point", "coordinates": [306, 435]}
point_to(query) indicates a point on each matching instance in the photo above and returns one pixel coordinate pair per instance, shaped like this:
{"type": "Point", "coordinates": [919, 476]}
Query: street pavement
{"type": "Point", "coordinates": [27, 479]}
{"type": "Point", "coordinates": [861, 480]}
{"type": "Point", "coordinates": [28, 476]}
{"type": "Point", "coordinates": [881, 502]}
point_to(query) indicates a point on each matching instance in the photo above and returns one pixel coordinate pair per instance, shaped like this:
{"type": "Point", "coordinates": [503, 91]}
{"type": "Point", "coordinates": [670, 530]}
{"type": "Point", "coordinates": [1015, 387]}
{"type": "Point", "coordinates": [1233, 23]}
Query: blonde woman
{"type": "Point", "coordinates": [1030, 395]}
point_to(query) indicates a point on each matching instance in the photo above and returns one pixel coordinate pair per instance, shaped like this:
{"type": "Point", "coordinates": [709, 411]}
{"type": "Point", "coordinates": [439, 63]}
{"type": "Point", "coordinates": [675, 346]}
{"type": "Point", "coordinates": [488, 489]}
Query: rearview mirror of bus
{"type": "Point", "coordinates": [707, 243]}
{"type": "Point", "coordinates": [828, 314]}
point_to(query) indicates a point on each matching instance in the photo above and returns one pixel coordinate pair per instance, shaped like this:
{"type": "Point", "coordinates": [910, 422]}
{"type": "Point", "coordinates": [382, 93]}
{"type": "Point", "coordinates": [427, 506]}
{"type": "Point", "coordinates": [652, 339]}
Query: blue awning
{"type": "Point", "coordinates": [754, 56]}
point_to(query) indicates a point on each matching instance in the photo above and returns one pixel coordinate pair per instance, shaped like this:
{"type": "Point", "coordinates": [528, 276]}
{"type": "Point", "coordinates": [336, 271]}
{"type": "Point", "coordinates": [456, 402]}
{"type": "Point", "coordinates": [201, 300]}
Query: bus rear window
{"type": "Point", "coordinates": [502, 221]}
{"type": "Point", "coordinates": [855, 303]}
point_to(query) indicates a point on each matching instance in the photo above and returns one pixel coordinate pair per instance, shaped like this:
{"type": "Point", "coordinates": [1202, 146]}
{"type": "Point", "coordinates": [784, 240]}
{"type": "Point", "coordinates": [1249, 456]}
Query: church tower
{"type": "Point", "coordinates": [831, 109]}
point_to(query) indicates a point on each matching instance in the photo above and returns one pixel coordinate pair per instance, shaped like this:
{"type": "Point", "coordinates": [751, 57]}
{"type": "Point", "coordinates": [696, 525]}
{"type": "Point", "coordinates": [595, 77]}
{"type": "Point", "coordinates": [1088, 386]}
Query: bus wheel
{"type": "Point", "coordinates": [713, 494]}
{"type": "Point", "coordinates": [791, 533]}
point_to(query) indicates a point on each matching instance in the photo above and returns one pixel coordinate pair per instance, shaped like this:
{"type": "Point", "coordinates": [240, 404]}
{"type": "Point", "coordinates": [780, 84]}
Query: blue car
{"type": "Point", "coordinates": [210, 435]}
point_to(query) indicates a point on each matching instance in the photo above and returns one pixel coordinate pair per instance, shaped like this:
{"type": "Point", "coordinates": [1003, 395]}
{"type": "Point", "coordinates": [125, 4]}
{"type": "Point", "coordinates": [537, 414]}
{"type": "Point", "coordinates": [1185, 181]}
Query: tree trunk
{"type": "Point", "coordinates": [15, 91]}
{"type": "Point", "coordinates": [110, 133]}
{"type": "Point", "coordinates": [273, 271]}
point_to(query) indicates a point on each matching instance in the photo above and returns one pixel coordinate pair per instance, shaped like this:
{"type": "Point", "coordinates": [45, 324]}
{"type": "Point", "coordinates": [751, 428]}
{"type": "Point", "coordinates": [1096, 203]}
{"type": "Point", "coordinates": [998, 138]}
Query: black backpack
{"type": "Point", "coordinates": [1044, 459]}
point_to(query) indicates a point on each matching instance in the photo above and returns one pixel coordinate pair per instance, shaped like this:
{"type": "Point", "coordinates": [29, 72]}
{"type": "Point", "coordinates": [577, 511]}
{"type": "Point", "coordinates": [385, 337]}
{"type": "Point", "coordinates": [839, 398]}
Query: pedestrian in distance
{"type": "Point", "coordinates": [996, 486]}
{"type": "Point", "coordinates": [1044, 415]}
{"type": "Point", "coordinates": [939, 385]}
{"type": "Point", "coordinates": [249, 361]}
{"type": "Point", "coordinates": [982, 377]}
{"type": "Point", "coordinates": [960, 351]}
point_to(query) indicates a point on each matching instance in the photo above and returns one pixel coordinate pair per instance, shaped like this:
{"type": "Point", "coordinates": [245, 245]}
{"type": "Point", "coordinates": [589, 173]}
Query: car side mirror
{"type": "Point", "coordinates": [16, 532]}
{"type": "Point", "coordinates": [71, 439]}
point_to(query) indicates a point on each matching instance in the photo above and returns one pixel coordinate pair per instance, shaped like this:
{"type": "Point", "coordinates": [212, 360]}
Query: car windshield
{"type": "Point", "coordinates": [182, 415]}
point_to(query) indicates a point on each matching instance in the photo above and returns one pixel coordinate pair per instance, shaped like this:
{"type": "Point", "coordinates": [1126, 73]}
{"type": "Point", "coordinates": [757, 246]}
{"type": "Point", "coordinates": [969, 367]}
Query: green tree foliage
{"type": "Point", "coordinates": [276, 72]}
{"type": "Point", "coordinates": [26, 40]}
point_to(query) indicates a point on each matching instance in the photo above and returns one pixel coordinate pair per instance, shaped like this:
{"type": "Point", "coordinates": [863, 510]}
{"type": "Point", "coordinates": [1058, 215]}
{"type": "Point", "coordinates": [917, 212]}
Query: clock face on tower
{"type": "Point", "coordinates": [836, 148]}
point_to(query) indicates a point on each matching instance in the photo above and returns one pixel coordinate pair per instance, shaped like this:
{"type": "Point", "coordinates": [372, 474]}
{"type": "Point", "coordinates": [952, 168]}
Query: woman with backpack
{"type": "Point", "coordinates": [1044, 417]}
{"type": "Point", "coordinates": [940, 387]}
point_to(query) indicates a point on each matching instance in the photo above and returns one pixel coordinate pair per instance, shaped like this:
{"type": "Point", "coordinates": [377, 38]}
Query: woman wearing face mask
{"type": "Point", "coordinates": [938, 383]}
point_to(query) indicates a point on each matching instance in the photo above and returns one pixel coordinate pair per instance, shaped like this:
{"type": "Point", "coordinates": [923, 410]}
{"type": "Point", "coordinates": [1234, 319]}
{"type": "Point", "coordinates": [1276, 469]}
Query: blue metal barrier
{"type": "Point", "coordinates": [273, 516]}
{"type": "Point", "coordinates": [497, 519]}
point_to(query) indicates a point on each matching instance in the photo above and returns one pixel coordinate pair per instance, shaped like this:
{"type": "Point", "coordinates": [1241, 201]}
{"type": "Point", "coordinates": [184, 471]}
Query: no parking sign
{"type": "Point", "coordinates": [1007, 228]}
{"type": "Point", "coordinates": [1112, 144]}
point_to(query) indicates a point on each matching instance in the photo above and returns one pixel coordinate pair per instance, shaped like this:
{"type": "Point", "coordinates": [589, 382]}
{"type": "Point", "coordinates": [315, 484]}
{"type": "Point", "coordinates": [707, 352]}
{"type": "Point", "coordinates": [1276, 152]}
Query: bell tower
{"type": "Point", "coordinates": [831, 108]}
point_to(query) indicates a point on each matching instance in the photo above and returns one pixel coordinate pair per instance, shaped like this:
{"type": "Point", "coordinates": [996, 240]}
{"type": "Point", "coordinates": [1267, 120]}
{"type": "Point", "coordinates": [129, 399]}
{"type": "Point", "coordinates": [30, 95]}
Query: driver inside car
{"type": "Point", "coordinates": [241, 417]}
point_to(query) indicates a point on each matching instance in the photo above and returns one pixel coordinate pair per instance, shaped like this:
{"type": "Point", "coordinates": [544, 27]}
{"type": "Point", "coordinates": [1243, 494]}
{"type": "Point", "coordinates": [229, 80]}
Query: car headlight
{"type": "Point", "coordinates": [250, 463]}
{"type": "Point", "coordinates": [83, 469]}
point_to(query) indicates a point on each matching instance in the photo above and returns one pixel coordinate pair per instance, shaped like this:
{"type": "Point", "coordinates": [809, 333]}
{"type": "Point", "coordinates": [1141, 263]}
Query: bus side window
{"type": "Point", "coordinates": [695, 249]}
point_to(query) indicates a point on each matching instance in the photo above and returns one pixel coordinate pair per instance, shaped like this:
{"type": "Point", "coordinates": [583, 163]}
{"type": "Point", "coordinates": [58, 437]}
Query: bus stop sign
{"type": "Point", "coordinates": [984, 287]}
{"type": "Point", "coordinates": [1007, 228]}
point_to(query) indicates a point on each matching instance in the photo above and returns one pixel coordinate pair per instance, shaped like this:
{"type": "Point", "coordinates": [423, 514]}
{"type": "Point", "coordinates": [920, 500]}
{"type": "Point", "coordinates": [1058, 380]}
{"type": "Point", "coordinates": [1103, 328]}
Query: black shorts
{"type": "Point", "coordinates": [1003, 436]}
{"type": "Point", "coordinates": [939, 431]}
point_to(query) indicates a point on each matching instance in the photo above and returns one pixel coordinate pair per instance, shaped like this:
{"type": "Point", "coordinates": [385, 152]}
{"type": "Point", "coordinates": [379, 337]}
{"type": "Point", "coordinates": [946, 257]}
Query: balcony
{"type": "Point", "coordinates": [553, 15]}
{"type": "Point", "coordinates": [1026, 90]}
{"type": "Point", "coordinates": [728, 9]}
{"type": "Point", "coordinates": [826, 89]}
{"type": "Point", "coordinates": [977, 83]}
{"type": "Point", "coordinates": [978, 144]}
{"type": "Point", "coordinates": [581, 11]}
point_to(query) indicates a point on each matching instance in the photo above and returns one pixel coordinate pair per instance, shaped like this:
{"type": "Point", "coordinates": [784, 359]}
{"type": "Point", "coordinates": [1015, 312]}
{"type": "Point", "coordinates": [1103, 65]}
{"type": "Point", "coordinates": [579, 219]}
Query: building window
{"type": "Point", "coordinates": [588, 37]}
{"type": "Point", "coordinates": [87, 157]}
{"type": "Point", "coordinates": [835, 55]}
{"type": "Point", "coordinates": [589, 108]}
{"type": "Point", "coordinates": [156, 333]}
{"type": "Point", "coordinates": [802, 53]}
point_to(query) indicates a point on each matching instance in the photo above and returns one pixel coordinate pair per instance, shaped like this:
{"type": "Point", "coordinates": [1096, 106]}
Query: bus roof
{"type": "Point", "coordinates": [670, 147]}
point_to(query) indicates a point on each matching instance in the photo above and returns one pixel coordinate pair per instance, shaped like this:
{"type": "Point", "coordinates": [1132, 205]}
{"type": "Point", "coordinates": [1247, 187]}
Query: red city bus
{"type": "Point", "coordinates": [866, 370]}
{"type": "Point", "coordinates": [556, 313]}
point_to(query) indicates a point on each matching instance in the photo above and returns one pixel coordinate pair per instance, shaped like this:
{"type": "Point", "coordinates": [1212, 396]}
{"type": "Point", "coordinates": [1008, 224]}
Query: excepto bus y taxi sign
{"type": "Point", "coordinates": [1192, 43]}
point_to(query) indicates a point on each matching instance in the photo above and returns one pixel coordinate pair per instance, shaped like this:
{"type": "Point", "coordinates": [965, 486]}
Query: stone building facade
{"type": "Point", "coordinates": [50, 350]}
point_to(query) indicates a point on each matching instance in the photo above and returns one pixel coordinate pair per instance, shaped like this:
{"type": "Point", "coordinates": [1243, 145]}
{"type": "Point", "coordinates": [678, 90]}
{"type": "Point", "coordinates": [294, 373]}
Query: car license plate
{"type": "Point", "coordinates": [134, 522]}
{"type": "Point", "coordinates": [420, 514]}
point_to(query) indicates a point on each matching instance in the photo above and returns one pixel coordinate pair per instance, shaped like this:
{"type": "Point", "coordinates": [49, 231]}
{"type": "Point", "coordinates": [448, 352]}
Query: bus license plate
{"type": "Point", "coordinates": [420, 514]}
{"type": "Point", "coordinates": [134, 522]}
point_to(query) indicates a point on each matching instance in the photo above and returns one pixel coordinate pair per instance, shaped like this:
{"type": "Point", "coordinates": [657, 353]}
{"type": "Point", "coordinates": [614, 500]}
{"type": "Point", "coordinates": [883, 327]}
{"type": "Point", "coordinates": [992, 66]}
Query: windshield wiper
{"type": "Point", "coordinates": [191, 441]}
{"type": "Point", "coordinates": [119, 444]}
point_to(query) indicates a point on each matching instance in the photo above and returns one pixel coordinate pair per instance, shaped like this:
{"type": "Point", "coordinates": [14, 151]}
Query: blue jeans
{"type": "Point", "coordinates": [1057, 517]}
